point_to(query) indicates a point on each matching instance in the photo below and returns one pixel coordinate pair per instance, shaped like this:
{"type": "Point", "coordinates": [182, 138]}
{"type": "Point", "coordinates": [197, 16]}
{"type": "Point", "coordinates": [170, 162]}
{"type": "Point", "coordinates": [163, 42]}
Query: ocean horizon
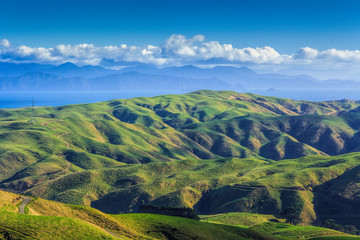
{"type": "Point", "coordinates": [19, 99]}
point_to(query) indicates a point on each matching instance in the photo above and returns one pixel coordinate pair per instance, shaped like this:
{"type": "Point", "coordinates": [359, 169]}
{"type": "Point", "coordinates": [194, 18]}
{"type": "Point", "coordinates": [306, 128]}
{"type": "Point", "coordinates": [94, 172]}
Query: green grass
{"type": "Point", "coordinates": [239, 219]}
{"type": "Point", "coordinates": [287, 231]}
{"type": "Point", "coordinates": [87, 214]}
{"type": "Point", "coordinates": [167, 227]}
{"type": "Point", "coordinates": [45, 227]}
{"type": "Point", "coordinates": [336, 238]}
{"type": "Point", "coordinates": [169, 182]}
{"type": "Point", "coordinates": [53, 220]}
{"type": "Point", "coordinates": [193, 150]}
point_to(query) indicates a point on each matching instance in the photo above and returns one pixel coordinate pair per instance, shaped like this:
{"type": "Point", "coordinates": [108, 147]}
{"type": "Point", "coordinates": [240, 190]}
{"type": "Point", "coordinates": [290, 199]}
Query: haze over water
{"type": "Point", "coordinates": [54, 99]}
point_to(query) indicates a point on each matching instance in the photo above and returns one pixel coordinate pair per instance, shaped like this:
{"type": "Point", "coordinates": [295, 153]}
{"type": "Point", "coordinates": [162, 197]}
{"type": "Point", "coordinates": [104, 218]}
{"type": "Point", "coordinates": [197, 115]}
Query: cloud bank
{"type": "Point", "coordinates": [179, 50]}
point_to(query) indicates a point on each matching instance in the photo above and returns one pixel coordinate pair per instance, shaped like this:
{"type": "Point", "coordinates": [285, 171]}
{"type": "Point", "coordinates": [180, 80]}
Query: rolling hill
{"type": "Point", "coordinates": [44, 219]}
{"type": "Point", "coordinates": [53, 220]}
{"type": "Point", "coordinates": [215, 152]}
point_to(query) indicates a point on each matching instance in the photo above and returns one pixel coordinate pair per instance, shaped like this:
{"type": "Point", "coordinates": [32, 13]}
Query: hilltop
{"type": "Point", "coordinates": [215, 152]}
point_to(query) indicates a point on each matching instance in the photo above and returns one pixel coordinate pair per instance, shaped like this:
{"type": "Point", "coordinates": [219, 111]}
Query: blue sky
{"type": "Point", "coordinates": [320, 38]}
{"type": "Point", "coordinates": [285, 25]}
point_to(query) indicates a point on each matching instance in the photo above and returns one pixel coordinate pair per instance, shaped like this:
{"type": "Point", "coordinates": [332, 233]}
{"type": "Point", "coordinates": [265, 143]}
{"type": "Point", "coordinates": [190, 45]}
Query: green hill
{"type": "Point", "coordinates": [215, 152]}
{"type": "Point", "coordinates": [46, 219]}
{"type": "Point", "coordinates": [287, 231]}
{"type": "Point", "coordinates": [53, 220]}
{"type": "Point", "coordinates": [241, 219]}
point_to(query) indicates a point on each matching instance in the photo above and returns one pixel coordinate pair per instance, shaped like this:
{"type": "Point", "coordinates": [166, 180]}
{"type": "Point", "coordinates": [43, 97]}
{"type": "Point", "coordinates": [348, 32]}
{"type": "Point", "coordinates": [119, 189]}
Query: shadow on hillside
{"type": "Point", "coordinates": [339, 199]}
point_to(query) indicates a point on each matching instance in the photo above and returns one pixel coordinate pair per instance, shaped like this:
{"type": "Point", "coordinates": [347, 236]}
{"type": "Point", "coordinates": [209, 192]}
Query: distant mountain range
{"type": "Point", "coordinates": [68, 76]}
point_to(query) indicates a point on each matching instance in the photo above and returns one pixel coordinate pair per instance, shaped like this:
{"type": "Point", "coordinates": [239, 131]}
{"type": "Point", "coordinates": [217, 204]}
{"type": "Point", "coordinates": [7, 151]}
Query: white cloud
{"type": "Point", "coordinates": [179, 45]}
{"type": "Point", "coordinates": [306, 53]}
{"type": "Point", "coordinates": [4, 43]}
{"type": "Point", "coordinates": [341, 55]}
{"type": "Point", "coordinates": [194, 49]}
{"type": "Point", "coordinates": [180, 50]}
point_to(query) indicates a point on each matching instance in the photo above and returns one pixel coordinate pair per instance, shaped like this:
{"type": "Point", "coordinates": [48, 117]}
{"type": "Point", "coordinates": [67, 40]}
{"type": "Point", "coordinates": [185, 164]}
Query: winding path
{"type": "Point", "coordinates": [113, 234]}
{"type": "Point", "coordinates": [25, 201]}
{"type": "Point", "coordinates": [67, 146]}
{"type": "Point", "coordinates": [62, 134]}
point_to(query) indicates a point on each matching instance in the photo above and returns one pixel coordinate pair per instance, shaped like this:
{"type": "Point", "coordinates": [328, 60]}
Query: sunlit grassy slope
{"type": "Point", "coordinates": [240, 218]}
{"type": "Point", "coordinates": [287, 231]}
{"type": "Point", "coordinates": [54, 220]}
{"type": "Point", "coordinates": [42, 226]}
{"type": "Point", "coordinates": [216, 152]}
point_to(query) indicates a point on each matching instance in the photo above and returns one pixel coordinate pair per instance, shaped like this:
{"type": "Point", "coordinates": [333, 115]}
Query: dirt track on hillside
{"type": "Point", "coordinates": [25, 201]}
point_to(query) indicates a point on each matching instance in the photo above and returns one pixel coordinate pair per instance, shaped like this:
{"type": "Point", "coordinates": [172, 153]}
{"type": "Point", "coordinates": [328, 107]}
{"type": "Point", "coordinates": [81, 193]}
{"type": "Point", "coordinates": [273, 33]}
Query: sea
{"type": "Point", "coordinates": [17, 99]}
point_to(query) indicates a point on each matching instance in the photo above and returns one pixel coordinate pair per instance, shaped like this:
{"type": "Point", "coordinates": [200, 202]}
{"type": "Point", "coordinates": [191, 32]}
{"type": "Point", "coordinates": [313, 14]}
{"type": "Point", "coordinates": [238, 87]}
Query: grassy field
{"type": "Point", "coordinates": [46, 227]}
{"type": "Point", "coordinates": [335, 238]}
{"type": "Point", "coordinates": [54, 220]}
{"type": "Point", "coordinates": [287, 231]}
{"type": "Point", "coordinates": [239, 219]}
{"type": "Point", "coordinates": [167, 227]}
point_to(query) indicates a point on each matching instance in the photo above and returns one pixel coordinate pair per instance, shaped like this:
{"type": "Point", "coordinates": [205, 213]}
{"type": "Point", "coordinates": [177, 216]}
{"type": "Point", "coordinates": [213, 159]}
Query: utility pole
{"type": "Point", "coordinates": [33, 120]}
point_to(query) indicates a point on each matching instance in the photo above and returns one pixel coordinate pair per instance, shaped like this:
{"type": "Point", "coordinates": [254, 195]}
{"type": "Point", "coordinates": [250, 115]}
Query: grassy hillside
{"type": "Point", "coordinates": [240, 218]}
{"type": "Point", "coordinates": [287, 231]}
{"type": "Point", "coordinates": [46, 219]}
{"type": "Point", "coordinates": [53, 220]}
{"type": "Point", "coordinates": [166, 227]}
{"type": "Point", "coordinates": [20, 226]}
{"type": "Point", "coordinates": [9, 201]}
{"type": "Point", "coordinates": [45, 227]}
{"type": "Point", "coordinates": [216, 152]}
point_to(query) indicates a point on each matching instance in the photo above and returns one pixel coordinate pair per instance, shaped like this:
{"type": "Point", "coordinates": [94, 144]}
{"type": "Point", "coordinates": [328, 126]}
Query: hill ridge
{"type": "Point", "coordinates": [183, 151]}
